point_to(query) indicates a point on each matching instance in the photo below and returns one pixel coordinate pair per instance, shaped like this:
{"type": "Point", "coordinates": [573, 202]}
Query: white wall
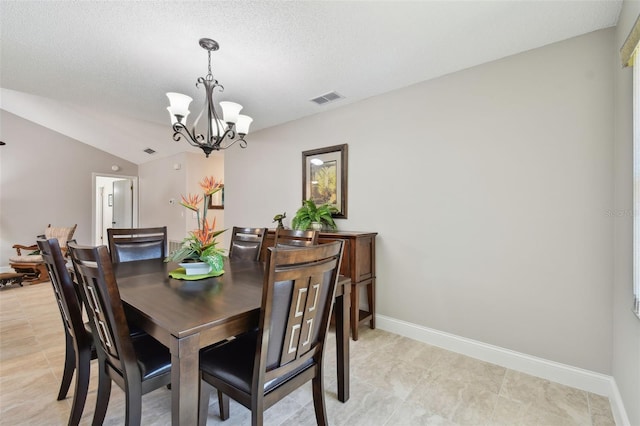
{"type": "Point", "coordinates": [45, 178]}
{"type": "Point", "coordinates": [489, 190]}
{"type": "Point", "coordinates": [626, 327]}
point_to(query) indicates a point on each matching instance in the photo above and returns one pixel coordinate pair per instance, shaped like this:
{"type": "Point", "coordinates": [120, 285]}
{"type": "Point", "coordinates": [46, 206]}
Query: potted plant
{"type": "Point", "coordinates": [200, 245]}
{"type": "Point", "coordinates": [314, 217]}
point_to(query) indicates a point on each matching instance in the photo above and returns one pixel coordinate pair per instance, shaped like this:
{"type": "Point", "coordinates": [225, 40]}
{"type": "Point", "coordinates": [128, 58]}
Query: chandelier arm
{"type": "Point", "coordinates": [233, 141]}
{"type": "Point", "coordinates": [243, 144]}
{"type": "Point", "coordinates": [231, 134]}
{"type": "Point", "coordinates": [180, 131]}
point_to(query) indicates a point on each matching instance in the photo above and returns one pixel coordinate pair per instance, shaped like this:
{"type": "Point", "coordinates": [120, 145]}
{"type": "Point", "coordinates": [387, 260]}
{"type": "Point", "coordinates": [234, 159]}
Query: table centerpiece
{"type": "Point", "coordinates": [198, 256]}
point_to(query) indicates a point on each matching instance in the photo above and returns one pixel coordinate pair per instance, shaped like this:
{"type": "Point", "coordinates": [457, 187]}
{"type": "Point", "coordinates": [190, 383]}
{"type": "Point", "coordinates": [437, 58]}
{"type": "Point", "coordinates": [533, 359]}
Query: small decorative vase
{"type": "Point", "coordinates": [196, 268]}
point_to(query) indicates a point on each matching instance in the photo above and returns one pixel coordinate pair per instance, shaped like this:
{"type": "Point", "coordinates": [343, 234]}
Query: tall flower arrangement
{"type": "Point", "coordinates": [201, 243]}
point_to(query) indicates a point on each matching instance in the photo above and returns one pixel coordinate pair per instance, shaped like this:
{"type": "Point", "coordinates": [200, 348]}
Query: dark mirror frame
{"type": "Point", "coordinates": [341, 178]}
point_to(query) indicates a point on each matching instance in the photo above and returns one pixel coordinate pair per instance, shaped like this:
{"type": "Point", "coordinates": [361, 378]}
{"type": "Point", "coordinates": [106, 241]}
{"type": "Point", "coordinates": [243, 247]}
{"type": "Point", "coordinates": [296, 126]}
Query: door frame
{"type": "Point", "coordinates": [136, 209]}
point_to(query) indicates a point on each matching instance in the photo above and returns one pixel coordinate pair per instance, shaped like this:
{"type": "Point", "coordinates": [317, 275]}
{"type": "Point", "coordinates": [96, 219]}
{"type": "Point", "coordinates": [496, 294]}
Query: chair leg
{"type": "Point", "coordinates": [257, 409]}
{"type": "Point", "coordinates": [133, 395]}
{"type": "Point", "coordinates": [223, 403]}
{"type": "Point", "coordinates": [318, 399]}
{"type": "Point", "coordinates": [102, 399]}
{"type": "Point", "coordinates": [43, 275]}
{"type": "Point", "coordinates": [69, 365]}
{"type": "Point", "coordinates": [83, 367]}
{"type": "Point", "coordinates": [256, 418]}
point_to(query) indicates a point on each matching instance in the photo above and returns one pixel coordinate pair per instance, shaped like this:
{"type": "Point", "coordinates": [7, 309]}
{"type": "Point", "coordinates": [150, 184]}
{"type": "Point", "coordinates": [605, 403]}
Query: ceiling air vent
{"type": "Point", "coordinates": [149, 151]}
{"type": "Point", "coordinates": [326, 98]}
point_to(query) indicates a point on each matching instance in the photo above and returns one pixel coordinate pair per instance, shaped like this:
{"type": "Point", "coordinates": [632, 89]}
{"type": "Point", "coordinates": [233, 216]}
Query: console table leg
{"type": "Point", "coordinates": [355, 311]}
{"type": "Point", "coordinates": [371, 296]}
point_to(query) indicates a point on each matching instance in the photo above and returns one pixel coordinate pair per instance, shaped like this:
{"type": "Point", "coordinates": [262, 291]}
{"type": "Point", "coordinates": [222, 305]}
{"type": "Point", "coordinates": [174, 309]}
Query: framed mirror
{"type": "Point", "coordinates": [324, 177]}
{"type": "Point", "coordinates": [216, 201]}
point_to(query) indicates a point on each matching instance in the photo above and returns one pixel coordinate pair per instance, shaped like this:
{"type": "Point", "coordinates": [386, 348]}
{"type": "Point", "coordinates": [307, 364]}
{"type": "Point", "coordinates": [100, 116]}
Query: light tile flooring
{"type": "Point", "coordinates": [394, 381]}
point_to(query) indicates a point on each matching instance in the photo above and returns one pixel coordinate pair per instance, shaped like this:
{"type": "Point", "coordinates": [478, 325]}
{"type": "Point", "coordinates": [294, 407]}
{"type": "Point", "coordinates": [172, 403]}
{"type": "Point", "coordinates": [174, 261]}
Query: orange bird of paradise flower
{"type": "Point", "coordinates": [206, 235]}
{"type": "Point", "coordinates": [191, 202]}
{"type": "Point", "coordinates": [210, 185]}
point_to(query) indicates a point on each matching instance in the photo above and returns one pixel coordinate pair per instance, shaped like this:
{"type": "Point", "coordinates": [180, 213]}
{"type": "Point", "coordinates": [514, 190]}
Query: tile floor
{"type": "Point", "coordinates": [394, 381]}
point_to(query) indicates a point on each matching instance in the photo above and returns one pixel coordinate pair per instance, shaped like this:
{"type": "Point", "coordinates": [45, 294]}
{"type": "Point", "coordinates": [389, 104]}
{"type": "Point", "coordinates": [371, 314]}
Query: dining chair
{"type": "Point", "coordinates": [79, 348]}
{"type": "Point", "coordinates": [246, 243]}
{"type": "Point", "coordinates": [129, 244]}
{"type": "Point", "coordinates": [137, 364]}
{"type": "Point", "coordinates": [261, 367]}
{"type": "Point", "coordinates": [295, 237]}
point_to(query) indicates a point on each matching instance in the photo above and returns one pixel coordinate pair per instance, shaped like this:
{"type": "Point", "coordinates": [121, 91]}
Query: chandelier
{"type": "Point", "coordinates": [221, 133]}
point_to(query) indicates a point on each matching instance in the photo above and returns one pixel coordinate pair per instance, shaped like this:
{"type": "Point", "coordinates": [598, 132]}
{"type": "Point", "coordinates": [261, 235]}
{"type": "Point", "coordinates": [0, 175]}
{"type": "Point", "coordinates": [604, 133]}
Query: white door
{"type": "Point", "coordinates": [122, 204]}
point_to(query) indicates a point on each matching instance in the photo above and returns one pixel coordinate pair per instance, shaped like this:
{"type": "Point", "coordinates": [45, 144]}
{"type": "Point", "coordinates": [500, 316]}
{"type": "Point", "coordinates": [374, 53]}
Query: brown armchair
{"type": "Point", "coordinates": [28, 260]}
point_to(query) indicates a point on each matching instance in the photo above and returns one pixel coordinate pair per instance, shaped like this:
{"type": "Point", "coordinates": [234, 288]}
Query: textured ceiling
{"type": "Point", "coordinates": [98, 71]}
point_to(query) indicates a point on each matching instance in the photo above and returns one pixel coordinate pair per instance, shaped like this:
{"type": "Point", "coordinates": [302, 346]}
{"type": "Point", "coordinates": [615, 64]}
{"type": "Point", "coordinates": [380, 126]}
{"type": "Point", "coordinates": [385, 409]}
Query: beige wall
{"type": "Point", "coordinates": [199, 168]}
{"type": "Point", "coordinates": [489, 189]}
{"type": "Point", "coordinates": [160, 183]}
{"type": "Point", "coordinates": [169, 178]}
{"type": "Point", "coordinates": [46, 177]}
{"type": "Point", "coordinates": [626, 327]}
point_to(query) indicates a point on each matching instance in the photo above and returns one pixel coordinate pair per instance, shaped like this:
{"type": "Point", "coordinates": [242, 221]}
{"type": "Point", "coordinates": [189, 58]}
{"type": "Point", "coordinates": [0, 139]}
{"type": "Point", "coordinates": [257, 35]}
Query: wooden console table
{"type": "Point", "coordinates": [358, 263]}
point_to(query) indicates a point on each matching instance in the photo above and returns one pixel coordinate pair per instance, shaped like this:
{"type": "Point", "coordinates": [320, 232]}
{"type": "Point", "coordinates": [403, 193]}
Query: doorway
{"type": "Point", "coordinates": [115, 205]}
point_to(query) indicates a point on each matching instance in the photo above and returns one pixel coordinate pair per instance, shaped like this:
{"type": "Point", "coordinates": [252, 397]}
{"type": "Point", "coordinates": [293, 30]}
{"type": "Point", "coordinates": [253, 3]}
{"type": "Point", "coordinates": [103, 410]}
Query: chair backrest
{"type": "Point", "coordinates": [65, 291]}
{"type": "Point", "coordinates": [297, 300]}
{"type": "Point", "coordinates": [129, 244]}
{"type": "Point", "coordinates": [246, 243]}
{"type": "Point", "coordinates": [295, 237]}
{"type": "Point", "coordinates": [105, 310]}
{"type": "Point", "coordinates": [61, 233]}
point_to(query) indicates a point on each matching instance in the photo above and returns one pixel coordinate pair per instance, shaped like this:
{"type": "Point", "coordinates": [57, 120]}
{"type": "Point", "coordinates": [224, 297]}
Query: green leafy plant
{"type": "Point", "coordinates": [200, 245]}
{"type": "Point", "coordinates": [310, 213]}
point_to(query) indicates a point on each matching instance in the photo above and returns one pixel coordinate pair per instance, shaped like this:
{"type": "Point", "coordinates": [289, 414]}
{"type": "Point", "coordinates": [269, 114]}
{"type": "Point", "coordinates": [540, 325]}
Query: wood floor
{"type": "Point", "coordinates": [394, 381]}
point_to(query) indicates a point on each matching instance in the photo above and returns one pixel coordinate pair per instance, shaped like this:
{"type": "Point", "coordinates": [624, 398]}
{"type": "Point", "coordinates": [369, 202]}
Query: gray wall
{"type": "Point", "coordinates": [626, 327]}
{"type": "Point", "coordinates": [489, 189]}
{"type": "Point", "coordinates": [45, 178]}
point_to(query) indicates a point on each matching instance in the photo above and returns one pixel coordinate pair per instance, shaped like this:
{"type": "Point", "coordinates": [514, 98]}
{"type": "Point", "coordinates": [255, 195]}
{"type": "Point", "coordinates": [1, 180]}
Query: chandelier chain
{"type": "Point", "coordinates": [210, 75]}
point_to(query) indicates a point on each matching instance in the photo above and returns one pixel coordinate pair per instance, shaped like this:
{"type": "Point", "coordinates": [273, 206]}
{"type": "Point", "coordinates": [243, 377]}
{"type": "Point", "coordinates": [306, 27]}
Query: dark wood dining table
{"type": "Point", "coordinates": [186, 316]}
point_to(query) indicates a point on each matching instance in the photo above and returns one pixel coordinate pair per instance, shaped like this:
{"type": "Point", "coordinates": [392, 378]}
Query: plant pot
{"type": "Point", "coordinates": [196, 268]}
{"type": "Point", "coordinates": [316, 226]}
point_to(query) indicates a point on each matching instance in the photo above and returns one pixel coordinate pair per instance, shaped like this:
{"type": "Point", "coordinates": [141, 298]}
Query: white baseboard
{"type": "Point", "coordinates": [575, 377]}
